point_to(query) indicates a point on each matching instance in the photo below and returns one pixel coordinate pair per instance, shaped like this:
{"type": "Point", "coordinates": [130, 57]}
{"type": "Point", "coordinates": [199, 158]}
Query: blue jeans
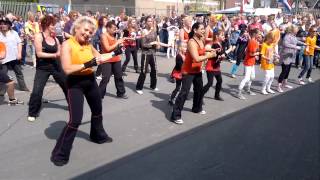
{"type": "Point", "coordinates": [308, 63]}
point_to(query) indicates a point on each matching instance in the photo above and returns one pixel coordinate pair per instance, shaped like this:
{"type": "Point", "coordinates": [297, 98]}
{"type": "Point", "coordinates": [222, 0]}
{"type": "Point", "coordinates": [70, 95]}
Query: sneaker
{"type": "Point", "coordinates": [288, 86]}
{"type": "Point", "coordinates": [279, 89]}
{"type": "Point", "coordinates": [264, 92]}
{"type": "Point", "coordinates": [155, 89]}
{"type": "Point", "coordinates": [270, 91]}
{"type": "Point", "coordinates": [310, 80]}
{"type": "Point", "coordinates": [301, 82]}
{"type": "Point", "coordinates": [251, 93]}
{"type": "Point", "coordinates": [233, 61]}
{"type": "Point", "coordinates": [99, 77]}
{"type": "Point", "coordinates": [178, 121]}
{"type": "Point", "coordinates": [139, 92]}
{"type": "Point", "coordinates": [170, 102]}
{"type": "Point", "coordinates": [124, 96]}
{"type": "Point", "coordinates": [15, 102]}
{"type": "Point", "coordinates": [240, 96]}
{"type": "Point", "coordinates": [31, 118]}
{"type": "Point", "coordinates": [218, 98]}
{"type": "Point", "coordinates": [203, 112]}
{"type": "Point", "coordinates": [233, 76]}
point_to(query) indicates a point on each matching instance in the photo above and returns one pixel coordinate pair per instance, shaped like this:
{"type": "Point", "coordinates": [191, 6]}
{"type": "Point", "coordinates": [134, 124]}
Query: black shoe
{"type": "Point", "coordinates": [137, 71]}
{"type": "Point", "coordinates": [218, 98]}
{"type": "Point", "coordinates": [25, 89]}
{"type": "Point", "coordinates": [170, 102]}
{"type": "Point", "coordinates": [124, 96]}
{"type": "Point", "coordinates": [101, 141]}
{"type": "Point", "coordinates": [58, 162]}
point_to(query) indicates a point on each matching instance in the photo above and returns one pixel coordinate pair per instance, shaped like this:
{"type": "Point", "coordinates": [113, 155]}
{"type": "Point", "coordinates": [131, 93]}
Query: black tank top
{"type": "Point", "coordinates": [47, 63]}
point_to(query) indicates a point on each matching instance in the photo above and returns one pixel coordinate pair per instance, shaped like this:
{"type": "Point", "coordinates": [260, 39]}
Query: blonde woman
{"type": "Point", "coordinates": [31, 28]}
{"type": "Point", "coordinates": [78, 57]}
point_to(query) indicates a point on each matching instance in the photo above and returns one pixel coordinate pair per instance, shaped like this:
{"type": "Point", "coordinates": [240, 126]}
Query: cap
{"type": "Point", "coordinates": [6, 21]}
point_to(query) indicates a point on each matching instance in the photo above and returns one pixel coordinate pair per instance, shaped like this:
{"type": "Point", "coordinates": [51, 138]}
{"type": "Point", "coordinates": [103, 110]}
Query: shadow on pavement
{"type": "Point", "coordinates": [272, 140]}
{"type": "Point", "coordinates": [54, 130]}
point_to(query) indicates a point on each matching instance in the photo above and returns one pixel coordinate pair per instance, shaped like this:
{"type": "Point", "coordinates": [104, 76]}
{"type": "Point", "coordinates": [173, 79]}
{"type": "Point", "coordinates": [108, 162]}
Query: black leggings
{"type": "Point", "coordinates": [130, 50]}
{"type": "Point", "coordinates": [284, 72]}
{"type": "Point", "coordinates": [40, 79]}
{"type": "Point", "coordinates": [210, 75]}
{"type": "Point", "coordinates": [145, 61]}
{"type": "Point", "coordinates": [187, 81]}
{"type": "Point", "coordinates": [177, 89]}
{"type": "Point", "coordinates": [107, 70]}
{"type": "Point", "coordinates": [80, 86]}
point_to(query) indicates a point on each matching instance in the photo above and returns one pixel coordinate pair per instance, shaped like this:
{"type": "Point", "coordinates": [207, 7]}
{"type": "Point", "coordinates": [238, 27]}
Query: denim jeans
{"type": "Point", "coordinates": [308, 63]}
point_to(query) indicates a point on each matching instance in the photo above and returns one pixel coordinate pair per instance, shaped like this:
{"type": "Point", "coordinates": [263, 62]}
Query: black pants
{"type": "Point", "coordinates": [187, 81]}
{"type": "Point", "coordinates": [78, 88]}
{"type": "Point", "coordinates": [16, 67]}
{"type": "Point", "coordinates": [177, 89]}
{"type": "Point", "coordinates": [107, 70]}
{"type": "Point", "coordinates": [147, 60]}
{"type": "Point", "coordinates": [130, 50]}
{"type": "Point", "coordinates": [284, 72]}
{"type": "Point", "coordinates": [40, 79]}
{"type": "Point", "coordinates": [210, 75]}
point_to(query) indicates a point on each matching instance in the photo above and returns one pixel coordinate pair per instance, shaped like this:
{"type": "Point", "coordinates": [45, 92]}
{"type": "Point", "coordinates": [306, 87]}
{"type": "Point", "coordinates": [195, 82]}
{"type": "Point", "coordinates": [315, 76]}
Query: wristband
{"type": "Point", "coordinates": [91, 63]}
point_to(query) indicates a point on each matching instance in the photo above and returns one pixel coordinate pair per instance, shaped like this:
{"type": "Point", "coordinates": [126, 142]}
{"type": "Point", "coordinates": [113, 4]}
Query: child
{"type": "Point", "coordinates": [213, 64]}
{"type": "Point", "coordinates": [242, 43]}
{"type": "Point", "coordinates": [176, 73]}
{"type": "Point", "coordinates": [268, 58]}
{"type": "Point", "coordinates": [309, 54]}
{"type": "Point", "coordinates": [171, 40]}
{"type": "Point", "coordinates": [249, 63]}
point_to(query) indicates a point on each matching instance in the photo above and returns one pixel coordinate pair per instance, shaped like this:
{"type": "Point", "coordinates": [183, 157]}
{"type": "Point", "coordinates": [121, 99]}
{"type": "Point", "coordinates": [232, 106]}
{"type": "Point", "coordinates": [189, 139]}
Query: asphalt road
{"type": "Point", "coordinates": [263, 137]}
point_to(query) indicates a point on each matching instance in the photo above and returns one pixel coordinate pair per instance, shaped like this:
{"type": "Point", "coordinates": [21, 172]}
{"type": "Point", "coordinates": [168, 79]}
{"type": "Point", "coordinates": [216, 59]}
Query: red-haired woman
{"type": "Point", "coordinates": [47, 55]}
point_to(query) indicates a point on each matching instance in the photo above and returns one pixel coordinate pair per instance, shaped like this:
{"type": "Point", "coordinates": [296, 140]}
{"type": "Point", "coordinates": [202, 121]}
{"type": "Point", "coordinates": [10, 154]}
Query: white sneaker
{"type": "Point", "coordinates": [233, 61]}
{"type": "Point", "coordinates": [31, 118]}
{"type": "Point", "coordinates": [99, 77]}
{"type": "Point", "coordinates": [203, 112]}
{"type": "Point", "coordinates": [288, 86]}
{"type": "Point", "coordinates": [233, 76]}
{"type": "Point", "coordinates": [155, 89]}
{"type": "Point", "coordinates": [178, 121]}
{"type": "Point", "coordinates": [240, 96]}
{"type": "Point", "coordinates": [301, 82]}
{"type": "Point", "coordinates": [270, 91]}
{"type": "Point", "coordinates": [279, 89]}
{"type": "Point", "coordinates": [139, 92]}
{"type": "Point", "coordinates": [264, 92]}
{"type": "Point", "coordinates": [310, 80]}
{"type": "Point", "coordinates": [251, 93]}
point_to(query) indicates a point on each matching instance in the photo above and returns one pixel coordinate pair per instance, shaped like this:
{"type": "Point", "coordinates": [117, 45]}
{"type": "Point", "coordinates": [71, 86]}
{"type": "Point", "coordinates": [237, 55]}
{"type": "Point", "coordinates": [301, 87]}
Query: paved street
{"type": "Point", "coordinates": [263, 137]}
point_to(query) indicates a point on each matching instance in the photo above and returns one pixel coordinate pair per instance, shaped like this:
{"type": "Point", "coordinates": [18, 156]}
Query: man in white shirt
{"type": "Point", "coordinates": [13, 45]}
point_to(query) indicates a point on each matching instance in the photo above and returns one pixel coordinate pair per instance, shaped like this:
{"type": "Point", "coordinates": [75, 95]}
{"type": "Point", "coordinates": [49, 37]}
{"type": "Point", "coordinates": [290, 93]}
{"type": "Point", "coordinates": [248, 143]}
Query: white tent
{"type": "Point", "coordinates": [267, 11]}
{"type": "Point", "coordinates": [234, 10]}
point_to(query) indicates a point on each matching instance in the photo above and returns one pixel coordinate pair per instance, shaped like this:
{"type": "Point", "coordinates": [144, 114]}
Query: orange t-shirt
{"type": "Point", "coordinates": [190, 66]}
{"type": "Point", "coordinates": [2, 48]}
{"type": "Point", "coordinates": [311, 44]}
{"type": "Point", "coordinates": [252, 47]}
{"type": "Point", "coordinates": [80, 54]}
{"type": "Point", "coordinates": [112, 40]}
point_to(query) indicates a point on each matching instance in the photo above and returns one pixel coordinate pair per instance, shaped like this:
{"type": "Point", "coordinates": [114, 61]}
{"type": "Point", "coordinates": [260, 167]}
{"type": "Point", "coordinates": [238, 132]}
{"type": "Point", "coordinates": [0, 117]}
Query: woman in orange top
{"type": "Point", "coordinates": [209, 29]}
{"type": "Point", "coordinates": [109, 43]}
{"type": "Point", "coordinates": [185, 30]}
{"type": "Point", "coordinates": [78, 57]}
{"type": "Point", "coordinates": [309, 54]}
{"type": "Point", "coordinates": [191, 70]}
